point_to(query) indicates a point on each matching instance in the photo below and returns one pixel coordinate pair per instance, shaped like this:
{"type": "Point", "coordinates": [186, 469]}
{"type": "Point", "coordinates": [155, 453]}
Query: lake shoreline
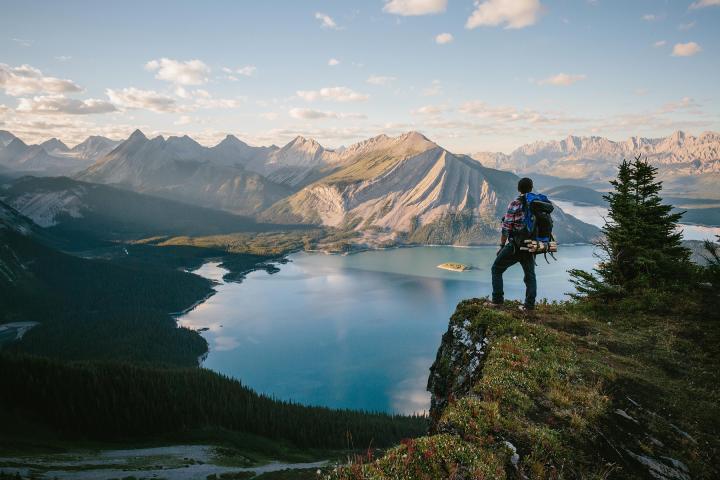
{"type": "Point", "coordinates": [300, 334]}
{"type": "Point", "coordinates": [364, 249]}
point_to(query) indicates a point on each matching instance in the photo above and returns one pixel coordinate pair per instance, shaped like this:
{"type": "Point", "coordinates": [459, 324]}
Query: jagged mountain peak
{"type": "Point", "coordinates": [137, 135]}
{"type": "Point", "coordinates": [231, 140]}
{"type": "Point", "coordinates": [182, 142]}
{"type": "Point", "coordinates": [301, 139]}
{"type": "Point", "coordinates": [408, 143]}
{"type": "Point", "coordinates": [413, 136]}
{"type": "Point", "coordinates": [94, 140]}
{"type": "Point", "coordinates": [304, 147]}
{"type": "Point", "coordinates": [304, 143]}
{"type": "Point", "coordinates": [16, 144]}
{"type": "Point", "coordinates": [233, 143]}
{"type": "Point", "coordinates": [54, 145]}
{"type": "Point", "coordinates": [678, 137]}
{"type": "Point", "coordinates": [5, 137]}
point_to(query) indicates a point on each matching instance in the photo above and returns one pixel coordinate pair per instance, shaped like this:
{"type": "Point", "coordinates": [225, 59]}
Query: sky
{"type": "Point", "coordinates": [488, 75]}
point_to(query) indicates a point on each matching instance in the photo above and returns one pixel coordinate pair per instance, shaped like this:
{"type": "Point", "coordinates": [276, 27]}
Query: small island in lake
{"type": "Point", "coordinates": [455, 267]}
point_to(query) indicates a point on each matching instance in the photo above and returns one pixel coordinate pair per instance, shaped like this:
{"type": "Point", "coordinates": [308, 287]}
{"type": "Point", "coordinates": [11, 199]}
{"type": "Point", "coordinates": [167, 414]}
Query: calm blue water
{"type": "Point", "coordinates": [357, 331]}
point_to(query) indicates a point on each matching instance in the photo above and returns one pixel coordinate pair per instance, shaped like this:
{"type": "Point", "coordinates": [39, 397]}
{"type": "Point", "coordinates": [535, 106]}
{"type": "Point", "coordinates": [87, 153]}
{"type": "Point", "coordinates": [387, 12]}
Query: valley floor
{"type": "Point", "coordinates": [177, 462]}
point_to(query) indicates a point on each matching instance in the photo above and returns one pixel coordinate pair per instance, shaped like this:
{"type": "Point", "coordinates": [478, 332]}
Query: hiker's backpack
{"type": "Point", "coordinates": [538, 223]}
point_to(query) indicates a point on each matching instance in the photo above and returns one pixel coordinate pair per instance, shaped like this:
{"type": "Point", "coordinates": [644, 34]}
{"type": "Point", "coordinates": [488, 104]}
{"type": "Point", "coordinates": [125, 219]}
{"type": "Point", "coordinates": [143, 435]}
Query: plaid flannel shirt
{"type": "Point", "coordinates": [514, 219]}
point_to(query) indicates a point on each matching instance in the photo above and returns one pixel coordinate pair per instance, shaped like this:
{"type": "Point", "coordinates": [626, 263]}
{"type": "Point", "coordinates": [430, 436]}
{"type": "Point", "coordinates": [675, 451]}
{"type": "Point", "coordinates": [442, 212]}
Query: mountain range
{"type": "Point", "coordinates": [381, 191]}
{"type": "Point", "coordinates": [52, 157]}
{"type": "Point", "coordinates": [689, 165]}
{"type": "Point", "coordinates": [182, 169]}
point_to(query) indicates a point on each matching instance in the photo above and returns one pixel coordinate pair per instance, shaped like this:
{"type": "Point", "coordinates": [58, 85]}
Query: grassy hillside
{"type": "Point", "coordinates": [570, 392]}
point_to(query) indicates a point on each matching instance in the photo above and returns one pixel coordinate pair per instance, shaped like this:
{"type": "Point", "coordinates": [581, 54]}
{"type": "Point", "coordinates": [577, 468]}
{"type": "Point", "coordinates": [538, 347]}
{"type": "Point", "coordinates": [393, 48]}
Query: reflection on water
{"type": "Point", "coordinates": [596, 215]}
{"type": "Point", "coordinates": [357, 331]}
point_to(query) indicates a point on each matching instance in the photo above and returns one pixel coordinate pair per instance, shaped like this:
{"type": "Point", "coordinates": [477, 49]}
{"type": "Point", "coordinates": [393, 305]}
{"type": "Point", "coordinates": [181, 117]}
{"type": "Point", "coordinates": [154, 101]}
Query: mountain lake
{"type": "Point", "coordinates": [360, 331]}
{"type": "Point", "coordinates": [356, 331]}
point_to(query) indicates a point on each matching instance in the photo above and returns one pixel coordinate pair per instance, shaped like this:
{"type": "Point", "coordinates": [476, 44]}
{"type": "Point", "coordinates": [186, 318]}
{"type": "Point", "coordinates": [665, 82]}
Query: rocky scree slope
{"type": "Point", "coordinates": [409, 190]}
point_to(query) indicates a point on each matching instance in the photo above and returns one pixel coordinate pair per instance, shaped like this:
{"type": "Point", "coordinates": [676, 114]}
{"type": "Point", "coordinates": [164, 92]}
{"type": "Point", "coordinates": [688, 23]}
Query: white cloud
{"type": "Point", "coordinates": [59, 105]}
{"type": "Point", "coordinates": [22, 42]}
{"type": "Point", "coordinates": [659, 43]}
{"type": "Point", "coordinates": [310, 114]}
{"type": "Point", "coordinates": [269, 115]}
{"type": "Point", "coordinates": [686, 26]}
{"type": "Point", "coordinates": [685, 103]}
{"type": "Point", "coordinates": [190, 72]}
{"type": "Point", "coordinates": [335, 94]}
{"type": "Point", "coordinates": [379, 80]}
{"type": "Point", "coordinates": [24, 80]}
{"type": "Point", "coordinates": [246, 71]}
{"type": "Point", "coordinates": [443, 38]}
{"type": "Point", "coordinates": [182, 92]}
{"type": "Point", "coordinates": [183, 120]}
{"type": "Point", "coordinates": [562, 79]}
{"type": "Point", "coordinates": [63, 58]}
{"type": "Point", "coordinates": [705, 3]}
{"type": "Point", "coordinates": [432, 110]}
{"type": "Point", "coordinates": [511, 13]}
{"type": "Point", "coordinates": [326, 21]}
{"type": "Point", "coordinates": [650, 17]}
{"type": "Point", "coordinates": [434, 89]}
{"type": "Point", "coordinates": [503, 117]}
{"type": "Point", "coordinates": [686, 49]}
{"type": "Point", "coordinates": [333, 62]}
{"type": "Point", "coordinates": [134, 98]}
{"type": "Point", "coordinates": [203, 99]}
{"type": "Point", "coordinates": [415, 7]}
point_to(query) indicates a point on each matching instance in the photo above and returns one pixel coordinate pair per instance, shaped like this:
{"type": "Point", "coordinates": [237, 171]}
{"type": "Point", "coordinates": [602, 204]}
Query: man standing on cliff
{"type": "Point", "coordinates": [508, 255]}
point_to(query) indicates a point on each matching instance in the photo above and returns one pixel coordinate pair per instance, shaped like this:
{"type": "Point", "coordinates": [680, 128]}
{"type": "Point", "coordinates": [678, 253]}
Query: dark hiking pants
{"type": "Point", "coordinates": [508, 257]}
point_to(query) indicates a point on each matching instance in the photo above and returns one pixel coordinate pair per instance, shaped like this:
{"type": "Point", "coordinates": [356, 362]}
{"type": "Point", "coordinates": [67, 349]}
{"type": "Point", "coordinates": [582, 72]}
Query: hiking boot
{"type": "Point", "coordinates": [526, 308]}
{"type": "Point", "coordinates": [489, 304]}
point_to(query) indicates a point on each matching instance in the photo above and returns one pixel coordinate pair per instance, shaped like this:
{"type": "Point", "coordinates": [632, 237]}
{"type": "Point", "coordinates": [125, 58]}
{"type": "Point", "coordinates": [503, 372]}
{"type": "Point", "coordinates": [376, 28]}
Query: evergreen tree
{"type": "Point", "coordinates": [712, 257]}
{"type": "Point", "coordinates": [641, 245]}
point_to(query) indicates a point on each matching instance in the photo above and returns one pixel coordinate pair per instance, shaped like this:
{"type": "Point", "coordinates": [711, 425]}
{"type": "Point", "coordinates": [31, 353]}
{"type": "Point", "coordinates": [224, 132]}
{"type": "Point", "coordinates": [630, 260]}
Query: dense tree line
{"type": "Point", "coordinates": [109, 401]}
{"type": "Point", "coordinates": [98, 309]}
{"type": "Point", "coordinates": [139, 335]}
